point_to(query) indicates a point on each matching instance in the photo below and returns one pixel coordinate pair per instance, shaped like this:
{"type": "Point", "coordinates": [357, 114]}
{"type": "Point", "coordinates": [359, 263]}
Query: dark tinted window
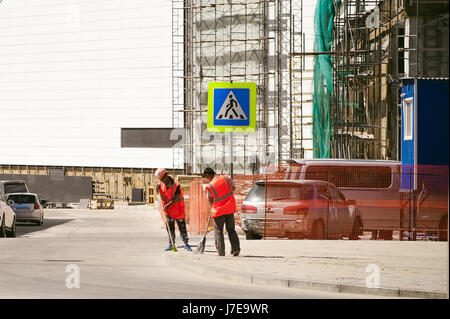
{"type": "Point", "coordinates": [352, 176]}
{"type": "Point", "coordinates": [15, 188]}
{"type": "Point", "coordinates": [22, 199]}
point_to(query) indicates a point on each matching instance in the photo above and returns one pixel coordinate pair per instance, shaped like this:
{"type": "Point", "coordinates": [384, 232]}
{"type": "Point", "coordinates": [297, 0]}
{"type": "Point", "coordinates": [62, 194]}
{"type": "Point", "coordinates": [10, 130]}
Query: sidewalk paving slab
{"type": "Point", "coordinates": [407, 269]}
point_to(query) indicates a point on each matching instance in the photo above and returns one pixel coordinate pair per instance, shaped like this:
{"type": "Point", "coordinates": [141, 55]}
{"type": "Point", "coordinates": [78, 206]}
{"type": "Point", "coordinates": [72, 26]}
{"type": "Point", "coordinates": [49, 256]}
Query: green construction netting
{"type": "Point", "coordinates": [323, 78]}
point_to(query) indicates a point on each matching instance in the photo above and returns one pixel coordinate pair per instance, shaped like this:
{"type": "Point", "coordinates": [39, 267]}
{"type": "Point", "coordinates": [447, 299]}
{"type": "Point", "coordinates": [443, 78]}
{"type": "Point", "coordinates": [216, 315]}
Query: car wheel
{"type": "Point", "coordinates": [3, 228]}
{"type": "Point", "coordinates": [249, 235]}
{"type": "Point", "coordinates": [318, 230]}
{"type": "Point", "coordinates": [357, 229]}
{"type": "Point", "coordinates": [385, 234]}
{"type": "Point", "coordinates": [40, 221]}
{"type": "Point", "coordinates": [12, 233]}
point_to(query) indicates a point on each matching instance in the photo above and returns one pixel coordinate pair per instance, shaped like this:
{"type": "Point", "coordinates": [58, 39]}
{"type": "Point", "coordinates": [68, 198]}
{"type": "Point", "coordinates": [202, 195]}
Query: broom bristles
{"type": "Point", "coordinates": [201, 246]}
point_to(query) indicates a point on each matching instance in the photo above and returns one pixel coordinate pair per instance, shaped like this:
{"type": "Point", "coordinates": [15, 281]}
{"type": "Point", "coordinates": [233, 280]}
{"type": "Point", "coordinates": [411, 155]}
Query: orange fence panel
{"type": "Point", "coordinates": [199, 207]}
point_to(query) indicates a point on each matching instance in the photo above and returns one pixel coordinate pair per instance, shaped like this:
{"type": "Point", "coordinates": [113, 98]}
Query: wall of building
{"type": "Point", "coordinates": [73, 73]}
{"type": "Point", "coordinates": [433, 45]}
{"type": "Point", "coordinates": [393, 53]}
{"type": "Point", "coordinates": [69, 189]}
{"type": "Point", "coordinates": [107, 182]}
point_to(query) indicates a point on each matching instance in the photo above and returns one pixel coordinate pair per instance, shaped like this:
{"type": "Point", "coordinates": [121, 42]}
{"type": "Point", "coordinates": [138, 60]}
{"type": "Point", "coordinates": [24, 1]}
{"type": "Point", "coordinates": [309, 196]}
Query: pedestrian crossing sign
{"type": "Point", "coordinates": [231, 107]}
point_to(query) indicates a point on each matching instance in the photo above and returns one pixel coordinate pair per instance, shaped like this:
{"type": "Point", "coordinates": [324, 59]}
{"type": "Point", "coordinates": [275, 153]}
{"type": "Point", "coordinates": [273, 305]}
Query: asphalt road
{"type": "Point", "coordinates": [111, 254]}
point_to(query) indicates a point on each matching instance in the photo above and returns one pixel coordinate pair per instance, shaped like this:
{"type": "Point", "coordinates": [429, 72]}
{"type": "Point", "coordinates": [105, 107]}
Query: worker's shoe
{"type": "Point", "coordinates": [169, 248]}
{"type": "Point", "coordinates": [221, 254]}
{"type": "Point", "coordinates": [235, 253]}
{"type": "Point", "coordinates": [187, 247]}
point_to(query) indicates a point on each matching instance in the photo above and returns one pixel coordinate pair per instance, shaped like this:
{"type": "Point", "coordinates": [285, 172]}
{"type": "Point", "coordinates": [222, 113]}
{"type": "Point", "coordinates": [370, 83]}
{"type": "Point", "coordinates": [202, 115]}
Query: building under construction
{"type": "Point", "coordinates": [327, 73]}
{"type": "Point", "coordinates": [239, 41]}
{"type": "Point", "coordinates": [375, 45]}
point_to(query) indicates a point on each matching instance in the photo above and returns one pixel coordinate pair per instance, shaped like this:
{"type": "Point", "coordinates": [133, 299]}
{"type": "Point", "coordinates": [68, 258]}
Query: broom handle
{"type": "Point", "coordinates": [207, 224]}
{"type": "Point", "coordinates": [167, 227]}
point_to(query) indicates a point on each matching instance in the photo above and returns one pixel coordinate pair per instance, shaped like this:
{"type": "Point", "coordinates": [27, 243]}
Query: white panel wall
{"type": "Point", "coordinates": [73, 72]}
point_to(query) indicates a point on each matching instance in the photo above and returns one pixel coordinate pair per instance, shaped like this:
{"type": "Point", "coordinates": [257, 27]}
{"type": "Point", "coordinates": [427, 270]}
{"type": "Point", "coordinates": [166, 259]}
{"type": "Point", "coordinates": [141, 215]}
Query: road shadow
{"type": "Point", "coordinates": [23, 228]}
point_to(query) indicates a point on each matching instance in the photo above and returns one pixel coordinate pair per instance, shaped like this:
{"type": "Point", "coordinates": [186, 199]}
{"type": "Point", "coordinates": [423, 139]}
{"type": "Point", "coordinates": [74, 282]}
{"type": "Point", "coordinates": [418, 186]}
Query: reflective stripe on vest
{"type": "Point", "coordinates": [176, 209]}
{"type": "Point", "coordinates": [174, 187]}
{"type": "Point", "coordinates": [226, 195]}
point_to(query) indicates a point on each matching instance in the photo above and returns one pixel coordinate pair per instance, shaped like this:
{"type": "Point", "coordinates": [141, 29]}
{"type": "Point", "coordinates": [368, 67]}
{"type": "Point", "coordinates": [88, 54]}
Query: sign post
{"type": "Point", "coordinates": [231, 155]}
{"type": "Point", "coordinates": [232, 109]}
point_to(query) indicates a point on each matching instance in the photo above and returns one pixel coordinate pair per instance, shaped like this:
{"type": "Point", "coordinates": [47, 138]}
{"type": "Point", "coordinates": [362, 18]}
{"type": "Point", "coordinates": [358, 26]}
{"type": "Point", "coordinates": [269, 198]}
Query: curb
{"type": "Point", "coordinates": [299, 284]}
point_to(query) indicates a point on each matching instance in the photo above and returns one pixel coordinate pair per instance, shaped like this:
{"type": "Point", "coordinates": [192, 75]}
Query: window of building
{"type": "Point", "coordinates": [408, 116]}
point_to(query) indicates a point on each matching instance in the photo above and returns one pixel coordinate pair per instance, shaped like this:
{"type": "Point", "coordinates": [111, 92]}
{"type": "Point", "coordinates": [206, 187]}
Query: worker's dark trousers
{"type": "Point", "coordinates": [181, 226]}
{"type": "Point", "coordinates": [228, 220]}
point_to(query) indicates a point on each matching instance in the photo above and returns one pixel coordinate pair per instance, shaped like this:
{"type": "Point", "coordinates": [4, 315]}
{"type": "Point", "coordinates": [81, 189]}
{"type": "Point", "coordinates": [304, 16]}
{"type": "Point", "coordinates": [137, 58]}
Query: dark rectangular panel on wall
{"type": "Point", "coordinates": [137, 195]}
{"type": "Point", "coordinates": [150, 137]}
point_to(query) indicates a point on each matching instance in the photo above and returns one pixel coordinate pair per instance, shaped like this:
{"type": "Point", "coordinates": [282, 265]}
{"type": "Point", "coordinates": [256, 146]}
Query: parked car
{"type": "Point", "coordinates": [7, 219]}
{"type": "Point", "coordinates": [27, 207]}
{"type": "Point", "coordinates": [299, 209]}
{"type": "Point", "coordinates": [16, 186]}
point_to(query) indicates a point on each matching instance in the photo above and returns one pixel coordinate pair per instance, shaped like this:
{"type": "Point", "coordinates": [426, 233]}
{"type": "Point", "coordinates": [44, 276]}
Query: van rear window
{"type": "Point", "coordinates": [352, 176]}
{"type": "Point", "coordinates": [293, 171]}
{"type": "Point", "coordinates": [15, 188]}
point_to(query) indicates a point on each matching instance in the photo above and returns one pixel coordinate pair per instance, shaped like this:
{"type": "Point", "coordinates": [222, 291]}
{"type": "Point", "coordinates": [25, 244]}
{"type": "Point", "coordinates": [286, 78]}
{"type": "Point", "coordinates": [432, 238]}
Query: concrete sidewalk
{"type": "Point", "coordinates": [406, 269]}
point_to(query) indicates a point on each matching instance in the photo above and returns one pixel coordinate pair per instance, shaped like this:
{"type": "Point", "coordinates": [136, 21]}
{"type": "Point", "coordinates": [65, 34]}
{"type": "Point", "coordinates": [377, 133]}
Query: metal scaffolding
{"type": "Point", "coordinates": [178, 82]}
{"type": "Point", "coordinates": [238, 41]}
{"type": "Point", "coordinates": [264, 41]}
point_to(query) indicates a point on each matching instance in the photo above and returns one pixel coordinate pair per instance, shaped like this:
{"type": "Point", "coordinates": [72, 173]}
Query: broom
{"type": "Point", "coordinates": [202, 244]}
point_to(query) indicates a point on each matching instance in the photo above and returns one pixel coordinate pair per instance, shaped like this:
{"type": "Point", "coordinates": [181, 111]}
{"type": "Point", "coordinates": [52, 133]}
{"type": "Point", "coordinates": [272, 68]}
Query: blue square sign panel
{"type": "Point", "coordinates": [231, 107]}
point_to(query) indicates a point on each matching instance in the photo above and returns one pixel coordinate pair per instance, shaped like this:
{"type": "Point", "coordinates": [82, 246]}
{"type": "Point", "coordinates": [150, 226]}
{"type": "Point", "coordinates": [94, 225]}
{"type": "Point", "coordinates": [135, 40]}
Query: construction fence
{"type": "Point", "coordinates": [344, 202]}
{"type": "Point", "coordinates": [198, 207]}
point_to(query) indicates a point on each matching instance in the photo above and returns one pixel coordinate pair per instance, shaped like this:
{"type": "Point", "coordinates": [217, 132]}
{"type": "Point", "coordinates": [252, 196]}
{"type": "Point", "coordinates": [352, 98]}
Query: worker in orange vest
{"type": "Point", "coordinates": [173, 205]}
{"type": "Point", "coordinates": [220, 190]}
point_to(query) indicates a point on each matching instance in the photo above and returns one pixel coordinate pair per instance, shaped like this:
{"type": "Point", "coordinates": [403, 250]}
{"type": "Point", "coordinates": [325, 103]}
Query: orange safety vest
{"type": "Point", "coordinates": [224, 202]}
{"type": "Point", "coordinates": [177, 209]}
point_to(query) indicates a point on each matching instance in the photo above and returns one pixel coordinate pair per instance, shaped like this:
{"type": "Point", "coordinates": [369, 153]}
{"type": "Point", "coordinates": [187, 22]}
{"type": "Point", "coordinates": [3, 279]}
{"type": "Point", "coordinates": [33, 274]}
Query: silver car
{"type": "Point", "coordinates": [299, 209]}
{"type": "Point", "coordinates": [7, 219]}
{"type": "Point", "coordinates": [27, 207]}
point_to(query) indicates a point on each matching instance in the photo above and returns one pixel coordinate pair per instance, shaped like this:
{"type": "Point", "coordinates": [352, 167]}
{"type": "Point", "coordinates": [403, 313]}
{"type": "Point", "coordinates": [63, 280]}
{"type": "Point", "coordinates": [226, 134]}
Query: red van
{"type": "Point", "coordinates": [375, 186]}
